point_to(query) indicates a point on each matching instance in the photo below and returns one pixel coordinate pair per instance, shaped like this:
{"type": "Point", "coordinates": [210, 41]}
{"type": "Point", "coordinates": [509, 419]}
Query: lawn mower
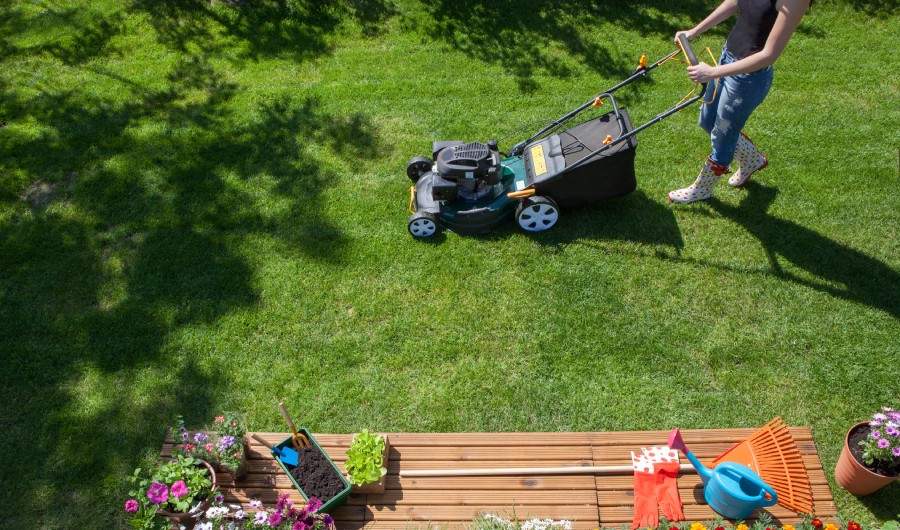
{"type": "Point", "coordinates": [473, 187]}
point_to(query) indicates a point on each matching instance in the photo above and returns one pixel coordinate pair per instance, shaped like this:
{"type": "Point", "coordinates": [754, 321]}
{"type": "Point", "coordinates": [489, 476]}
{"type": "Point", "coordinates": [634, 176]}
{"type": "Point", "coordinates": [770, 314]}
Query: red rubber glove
{"type": "Point", "coordinates": [645, 509]}
{"type": "Point", "coordinates": [666, 485]}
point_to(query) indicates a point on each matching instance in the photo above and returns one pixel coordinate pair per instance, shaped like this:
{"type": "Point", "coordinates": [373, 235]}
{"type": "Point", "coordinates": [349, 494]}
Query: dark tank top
{"type": "Point", "coordinates": [754, 23]}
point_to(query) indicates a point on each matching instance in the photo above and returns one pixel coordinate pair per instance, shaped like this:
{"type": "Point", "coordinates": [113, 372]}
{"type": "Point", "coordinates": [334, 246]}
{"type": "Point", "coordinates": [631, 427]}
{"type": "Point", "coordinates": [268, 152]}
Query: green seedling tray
{"type": "Point", "coordinates": [335, 501]}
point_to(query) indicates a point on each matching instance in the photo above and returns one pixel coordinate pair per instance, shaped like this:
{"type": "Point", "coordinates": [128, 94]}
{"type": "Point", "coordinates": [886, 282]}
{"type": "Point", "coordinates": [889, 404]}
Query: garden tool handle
{"type": "Point", "coordinates": [287, 418]}
{"type": "Point", "coordinates": [259, 439]}
{"type": "Point", "coordinates": [685, 45]}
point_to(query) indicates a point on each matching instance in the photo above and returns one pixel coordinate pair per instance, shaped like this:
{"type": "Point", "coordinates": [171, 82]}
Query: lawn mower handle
{"type": "Point", "coordinates": [687, 49]}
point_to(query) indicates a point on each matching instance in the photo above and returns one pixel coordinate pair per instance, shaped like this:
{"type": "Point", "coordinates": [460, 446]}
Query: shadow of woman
{"type": "Point", "coordinates": [864, 279]}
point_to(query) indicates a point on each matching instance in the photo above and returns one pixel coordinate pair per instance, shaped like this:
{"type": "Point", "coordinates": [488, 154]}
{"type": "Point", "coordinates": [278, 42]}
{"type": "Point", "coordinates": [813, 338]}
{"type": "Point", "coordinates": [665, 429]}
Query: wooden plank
{"type": "Point", "coordinates": [619, 515]}
{"type": "Point", "coordinates": [467, 513]}
{"type": "Point", "coordinates": [477, 498]}
{"type": "Point", "coordinates": [534, 482]}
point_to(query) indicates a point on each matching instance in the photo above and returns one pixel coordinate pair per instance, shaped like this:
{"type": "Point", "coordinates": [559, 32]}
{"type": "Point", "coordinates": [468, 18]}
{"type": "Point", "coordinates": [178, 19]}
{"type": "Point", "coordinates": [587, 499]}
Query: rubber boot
{"type": "Point", "coordinates": [750, 160]}
{"type": "Point", "coordinates": [702, 188]}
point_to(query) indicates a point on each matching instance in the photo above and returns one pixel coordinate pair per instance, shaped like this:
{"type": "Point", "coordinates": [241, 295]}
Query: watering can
{"type": "Point", "coordinates": [731, 489]}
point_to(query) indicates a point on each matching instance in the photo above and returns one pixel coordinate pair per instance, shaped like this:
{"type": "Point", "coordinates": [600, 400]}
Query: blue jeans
{"type": "Point", "coordinates": [726, 105]}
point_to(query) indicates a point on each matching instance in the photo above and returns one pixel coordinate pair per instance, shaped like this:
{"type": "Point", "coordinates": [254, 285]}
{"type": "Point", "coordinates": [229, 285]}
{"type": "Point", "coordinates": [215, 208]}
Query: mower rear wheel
{"type": "Point", "coordinates": [422, 225]}
{"type": "Point", "coordinates": [537, 213]}
{"type": "Point", "coordinates": [417, 166]}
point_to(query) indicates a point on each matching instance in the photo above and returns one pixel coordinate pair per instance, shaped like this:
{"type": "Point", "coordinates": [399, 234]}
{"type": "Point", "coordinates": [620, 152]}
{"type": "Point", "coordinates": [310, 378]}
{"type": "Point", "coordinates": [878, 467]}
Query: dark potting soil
{"type": "Point", "coordinates": [316, 476]}
{"type": "Point", "coordinates": [857, 435]}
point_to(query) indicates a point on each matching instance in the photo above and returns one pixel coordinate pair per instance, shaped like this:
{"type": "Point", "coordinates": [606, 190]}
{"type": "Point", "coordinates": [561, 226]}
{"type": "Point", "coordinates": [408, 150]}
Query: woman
{"type": "Point", "coordinates": [738, 85]}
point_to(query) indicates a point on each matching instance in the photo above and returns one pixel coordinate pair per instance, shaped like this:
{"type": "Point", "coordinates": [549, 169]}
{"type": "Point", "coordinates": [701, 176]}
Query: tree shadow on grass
{"type": "Point", "coordinates": [859, 278]}
{"type": "Point", "coordinates": [123, 226]}
{"type": "Point", "coordinates": [549, 37]}
{"type": "Point", "coordinates": [268, 28]}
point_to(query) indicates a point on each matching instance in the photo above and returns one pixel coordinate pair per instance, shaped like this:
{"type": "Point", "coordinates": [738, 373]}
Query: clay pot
{"type": "Point", "coordinates": [189, 519]}
{"type": "Point", "coordinates": [854, 477]}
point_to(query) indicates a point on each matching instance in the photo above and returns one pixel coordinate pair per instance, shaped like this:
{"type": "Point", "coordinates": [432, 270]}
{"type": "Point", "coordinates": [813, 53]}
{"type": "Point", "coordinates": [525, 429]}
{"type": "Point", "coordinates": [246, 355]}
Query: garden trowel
{"type": "Point", "coordinates": [285, 454]}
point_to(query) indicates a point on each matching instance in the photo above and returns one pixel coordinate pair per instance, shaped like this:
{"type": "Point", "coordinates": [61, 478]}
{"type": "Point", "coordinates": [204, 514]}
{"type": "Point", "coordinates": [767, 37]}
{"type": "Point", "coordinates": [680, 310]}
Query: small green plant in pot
{"type": "Point", "coordinates": [366, 463]}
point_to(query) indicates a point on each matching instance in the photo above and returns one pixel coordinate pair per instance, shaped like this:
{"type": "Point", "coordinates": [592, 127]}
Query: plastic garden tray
{"type": "Point", "coordinates": [335, 501]}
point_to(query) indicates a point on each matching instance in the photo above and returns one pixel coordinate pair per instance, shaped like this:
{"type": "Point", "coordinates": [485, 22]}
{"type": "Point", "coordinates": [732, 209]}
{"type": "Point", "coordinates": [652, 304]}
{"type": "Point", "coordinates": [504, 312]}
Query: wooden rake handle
{"type": "Point", "coordinates": [572, 470]}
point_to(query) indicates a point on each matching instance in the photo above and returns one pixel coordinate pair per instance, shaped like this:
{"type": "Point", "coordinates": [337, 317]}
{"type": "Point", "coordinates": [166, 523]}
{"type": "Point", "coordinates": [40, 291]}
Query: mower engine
{"type": "Point", "coordinates": [469, 171]}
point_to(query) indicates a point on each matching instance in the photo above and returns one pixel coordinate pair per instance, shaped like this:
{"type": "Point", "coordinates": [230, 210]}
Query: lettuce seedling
{"type": "Point", "coordinates": [365, 460]}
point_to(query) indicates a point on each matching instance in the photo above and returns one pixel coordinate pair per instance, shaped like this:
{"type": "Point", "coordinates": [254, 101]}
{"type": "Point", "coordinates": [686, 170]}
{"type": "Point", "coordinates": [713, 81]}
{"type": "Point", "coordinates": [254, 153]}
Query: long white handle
{"type": "Point", "coordinates": [526, 471]}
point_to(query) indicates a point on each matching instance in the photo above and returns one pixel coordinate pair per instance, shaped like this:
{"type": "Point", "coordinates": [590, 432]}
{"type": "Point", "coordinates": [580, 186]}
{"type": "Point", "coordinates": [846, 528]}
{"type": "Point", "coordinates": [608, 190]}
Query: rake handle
{"type": "Point", "coordinates": [525, 471]}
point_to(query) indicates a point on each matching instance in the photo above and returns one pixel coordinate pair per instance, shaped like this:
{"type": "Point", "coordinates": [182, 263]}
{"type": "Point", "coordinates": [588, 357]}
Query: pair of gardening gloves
{"type": "Point", "coordinates": [655, 486]}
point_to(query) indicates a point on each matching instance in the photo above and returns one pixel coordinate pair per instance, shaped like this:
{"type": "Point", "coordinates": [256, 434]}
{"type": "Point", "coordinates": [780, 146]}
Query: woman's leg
{"type": "Point", "coordinates": [732, 101]}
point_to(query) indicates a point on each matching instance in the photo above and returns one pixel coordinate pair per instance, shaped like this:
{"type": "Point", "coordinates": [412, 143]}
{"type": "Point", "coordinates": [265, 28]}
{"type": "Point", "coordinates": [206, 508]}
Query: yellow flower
{"type": "Point", "coordinates": [830, 526]}
{"type": "Point", "coordinates": [698, 526]}
{"type": "Point", "coordinates": [742, 527]}
{"type": "Point", "coordinates": [787, 527]}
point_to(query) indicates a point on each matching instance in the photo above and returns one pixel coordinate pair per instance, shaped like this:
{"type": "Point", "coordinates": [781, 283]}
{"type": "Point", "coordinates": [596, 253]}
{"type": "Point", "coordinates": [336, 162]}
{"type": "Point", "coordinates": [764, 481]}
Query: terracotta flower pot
{"type": "Point", "coordinates": [854, 477]}
{"type": "Point", "coordinates": [189, 519]}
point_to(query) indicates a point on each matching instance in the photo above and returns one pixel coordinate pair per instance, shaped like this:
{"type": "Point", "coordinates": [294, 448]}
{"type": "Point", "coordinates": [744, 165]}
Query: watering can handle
{"type": "Point", "coordinates": [753, 478]}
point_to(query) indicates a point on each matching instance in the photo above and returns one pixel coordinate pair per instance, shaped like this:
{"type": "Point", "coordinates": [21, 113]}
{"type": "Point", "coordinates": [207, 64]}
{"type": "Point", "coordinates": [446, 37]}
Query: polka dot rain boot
{"type": "Point", "coordinates": [702, 188]}
{"type": "Point", "coordinates": [750, 160]}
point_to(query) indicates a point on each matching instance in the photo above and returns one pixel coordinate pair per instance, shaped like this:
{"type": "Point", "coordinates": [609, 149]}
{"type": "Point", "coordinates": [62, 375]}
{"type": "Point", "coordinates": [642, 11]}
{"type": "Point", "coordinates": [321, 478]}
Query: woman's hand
{"type": "Point", "coordinates": [701, 73]}
{"type": "Point", "coordinates": [688, 32]}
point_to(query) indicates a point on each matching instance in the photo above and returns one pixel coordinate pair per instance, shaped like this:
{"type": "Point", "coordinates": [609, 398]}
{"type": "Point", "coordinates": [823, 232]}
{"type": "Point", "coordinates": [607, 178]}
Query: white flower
{"type": "Point", "coordinates": [255, 503]}
{"type": "Point", "coordinates": [240, 514]}
{"type": "Point", "coordinates": [204, 526]}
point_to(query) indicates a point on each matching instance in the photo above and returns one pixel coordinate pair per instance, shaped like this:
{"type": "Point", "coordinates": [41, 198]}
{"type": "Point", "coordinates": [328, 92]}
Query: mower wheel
{"type": "Point", "coordinates": [537, 213]}
{"type": "Point", "coordinates": [422, 225]}
{"type": "Point", "coordinates": [417, 166]}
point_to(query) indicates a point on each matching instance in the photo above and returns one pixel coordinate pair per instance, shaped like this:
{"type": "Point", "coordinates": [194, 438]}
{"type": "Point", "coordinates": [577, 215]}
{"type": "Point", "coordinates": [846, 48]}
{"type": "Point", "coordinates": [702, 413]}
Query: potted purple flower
{"type": "Point", "coordinates": [870, 459]}
{"type": "Point", "coordinates": [224, 445]}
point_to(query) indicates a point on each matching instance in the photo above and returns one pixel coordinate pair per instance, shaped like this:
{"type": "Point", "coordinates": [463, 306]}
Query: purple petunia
{"type": "Point", "coordinates": [883, 443]}
{"type": "Point", "coordinates": [327, 520]}
{"type": "Point", "coordinates": [219, 498]}
{"type": "Point", "coordinates": [158, 493]}
{"type": "Point", "coordinates": [185, 436]}
{"type": "Point", "coordinates": [313, 504]}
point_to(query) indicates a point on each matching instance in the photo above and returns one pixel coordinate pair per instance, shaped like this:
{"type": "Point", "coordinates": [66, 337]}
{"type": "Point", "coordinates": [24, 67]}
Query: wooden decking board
{"type": "Point", "coordinates": [451, 502]}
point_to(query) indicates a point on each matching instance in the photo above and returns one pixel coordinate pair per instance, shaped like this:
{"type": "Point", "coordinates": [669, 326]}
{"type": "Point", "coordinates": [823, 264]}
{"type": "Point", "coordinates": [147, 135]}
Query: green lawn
{"type": "Point", "coordinates": [203, 207]}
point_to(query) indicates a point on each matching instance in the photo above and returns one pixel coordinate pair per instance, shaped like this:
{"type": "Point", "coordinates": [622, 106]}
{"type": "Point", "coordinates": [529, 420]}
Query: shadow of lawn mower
{"type": "Point", "coordinates": [473, 188]}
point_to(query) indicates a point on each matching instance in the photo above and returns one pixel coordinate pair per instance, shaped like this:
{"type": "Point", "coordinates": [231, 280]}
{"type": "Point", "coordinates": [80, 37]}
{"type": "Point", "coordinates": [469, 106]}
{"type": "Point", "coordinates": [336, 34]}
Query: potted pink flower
{"type": "Point", "coordinates": [870, 459]}
{"type": "Point", "coordinates": [176, 491]}
{"type": "Point", "coordinates": [224, 444]}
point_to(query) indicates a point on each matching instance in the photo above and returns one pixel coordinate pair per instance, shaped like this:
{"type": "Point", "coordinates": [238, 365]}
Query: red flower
{"type": "Point", "coordinates": [720, 528]}
{"type": "Point", "coordinates": [853, 526]}
{"type": "Point", "coordinates": [816, 522]}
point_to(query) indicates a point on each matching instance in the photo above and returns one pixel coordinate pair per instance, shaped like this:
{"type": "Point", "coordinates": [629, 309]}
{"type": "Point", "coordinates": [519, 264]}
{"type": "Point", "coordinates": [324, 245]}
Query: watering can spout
{"type": "Point", "coordinates": [676, 442]}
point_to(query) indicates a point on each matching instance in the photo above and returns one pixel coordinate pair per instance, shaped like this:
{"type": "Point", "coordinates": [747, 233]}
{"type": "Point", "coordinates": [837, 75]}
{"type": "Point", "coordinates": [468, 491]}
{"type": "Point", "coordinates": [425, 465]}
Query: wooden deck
{"type": "Point", "coordinates": [589, 501]}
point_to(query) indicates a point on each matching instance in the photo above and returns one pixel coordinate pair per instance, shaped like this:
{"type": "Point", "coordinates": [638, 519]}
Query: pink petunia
{"type": "Point", "coordinates": [158, 493]}
{"type": "Point", "coordinates": [131, 506]}
{"type": "Point", "coordinates": [179, 489]}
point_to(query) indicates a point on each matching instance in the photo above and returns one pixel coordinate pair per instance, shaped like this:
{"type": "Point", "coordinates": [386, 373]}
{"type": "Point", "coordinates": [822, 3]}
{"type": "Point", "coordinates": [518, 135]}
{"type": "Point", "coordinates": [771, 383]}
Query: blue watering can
{"type": "Point", "coordinates": [731, 489]}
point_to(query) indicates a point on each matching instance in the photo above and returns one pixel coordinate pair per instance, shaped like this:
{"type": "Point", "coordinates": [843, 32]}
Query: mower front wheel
{"type": "Point", "coordinates": [417, 166]}
{"type": "Point", "coordinates": [537, 213]}
{"type": "Point", "coordinates": [422, 225]}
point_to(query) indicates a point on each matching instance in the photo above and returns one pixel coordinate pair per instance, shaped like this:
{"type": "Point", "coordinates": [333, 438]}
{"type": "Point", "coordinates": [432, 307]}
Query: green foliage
{"type": "Point", "coordinates": [365, 458]}
{"type": "Point", "coordinates": [177, 485]}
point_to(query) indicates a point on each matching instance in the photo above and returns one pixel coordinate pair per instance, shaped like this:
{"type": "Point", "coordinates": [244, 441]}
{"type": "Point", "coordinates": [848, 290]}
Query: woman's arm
{"type": "Point", "coordinates": [725, 10]}
{"type": "Point", "coordinates": [790, 12]}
